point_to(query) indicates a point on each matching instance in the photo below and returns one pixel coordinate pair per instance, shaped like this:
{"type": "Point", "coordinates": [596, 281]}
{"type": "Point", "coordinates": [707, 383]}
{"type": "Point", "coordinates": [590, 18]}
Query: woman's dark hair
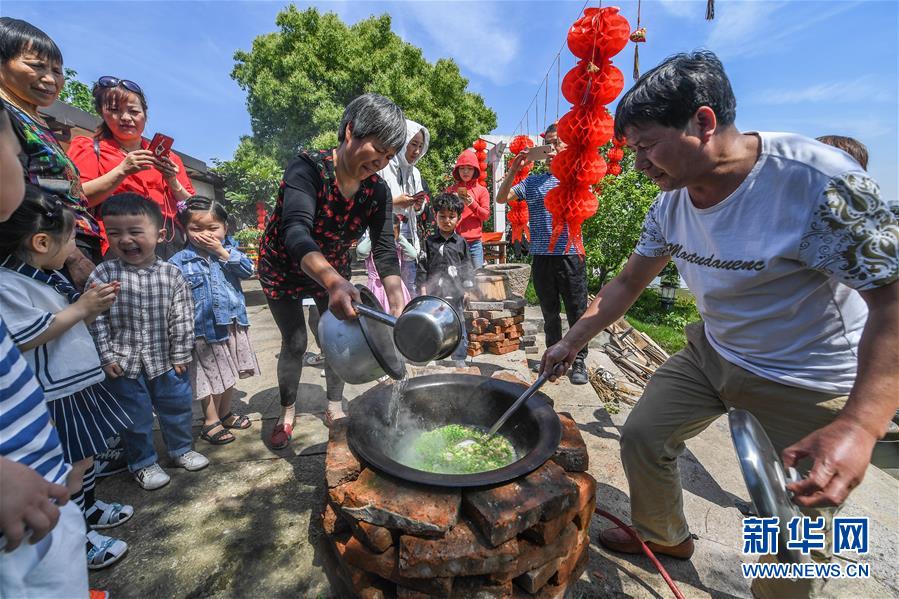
{"type": "Point", "coordinates": [18, 36]}
{"type": "Point", "coordinates": [671, 93]}
{"type": "Point", "coordinates": [202, 204]}
{"type": "Point", "coordinates": [448, 201]}
{"type": "Point", "coordinates": [131, 204]}
{"type": "Point", "coordinates": [850, 145]}
{"type": "Point", "coordinates": [373, 114]}
{"type": "Point", "coordinates": [40, 212]}
{"type": "Point", "coordinates": [110, 98]}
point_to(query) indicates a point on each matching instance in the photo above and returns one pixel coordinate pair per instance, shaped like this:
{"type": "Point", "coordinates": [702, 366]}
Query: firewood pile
{"type": "Point", "coordinates": [636, 355]}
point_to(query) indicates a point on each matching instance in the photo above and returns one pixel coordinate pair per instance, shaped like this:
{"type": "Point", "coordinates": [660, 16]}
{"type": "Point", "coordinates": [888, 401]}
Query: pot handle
{"type": "Point", "coordinates": [374, 314]}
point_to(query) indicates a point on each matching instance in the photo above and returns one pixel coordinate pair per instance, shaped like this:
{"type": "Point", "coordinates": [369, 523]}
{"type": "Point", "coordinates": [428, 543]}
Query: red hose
{"type": "Point", "coordinates": [646, 550]}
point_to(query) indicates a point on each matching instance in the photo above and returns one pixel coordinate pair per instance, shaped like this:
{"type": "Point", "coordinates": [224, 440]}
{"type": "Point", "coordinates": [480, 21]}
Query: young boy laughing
{"type": "Point", "coordinates": [145, 340]}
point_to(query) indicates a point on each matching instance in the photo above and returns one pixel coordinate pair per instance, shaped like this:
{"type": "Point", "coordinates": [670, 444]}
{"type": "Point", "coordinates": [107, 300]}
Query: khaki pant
{"type": "Point", "coordinates": [684, 396]}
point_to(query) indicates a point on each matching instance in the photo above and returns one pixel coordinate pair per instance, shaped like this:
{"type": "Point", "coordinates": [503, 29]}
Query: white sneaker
{"type": "Point", "coordinates": [192, 460]}
{"type": "Point", "coordinates": [152, 477]}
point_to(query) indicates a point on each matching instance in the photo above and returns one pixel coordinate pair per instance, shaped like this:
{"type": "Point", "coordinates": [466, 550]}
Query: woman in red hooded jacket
{"type": "Point", "coordinates": [476, 200]}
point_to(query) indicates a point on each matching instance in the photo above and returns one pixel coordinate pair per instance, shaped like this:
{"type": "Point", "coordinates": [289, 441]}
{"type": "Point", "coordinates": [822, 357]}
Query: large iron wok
{"type": "Point", "coordinates": [436, 400]}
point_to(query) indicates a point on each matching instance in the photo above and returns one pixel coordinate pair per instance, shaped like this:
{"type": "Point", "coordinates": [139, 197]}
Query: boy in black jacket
{"type": "Point", "coordinates": [445, 268]}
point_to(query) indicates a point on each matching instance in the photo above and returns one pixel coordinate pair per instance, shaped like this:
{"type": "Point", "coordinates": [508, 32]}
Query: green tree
{"type": "Point", "coordinates": [253, 175]}
{"type": "Point", "coordinates": [611, 234]}
{"type": "Point", "coordinates": [299, 79]}
{"type": "Point", "coordinates": [76, 93]}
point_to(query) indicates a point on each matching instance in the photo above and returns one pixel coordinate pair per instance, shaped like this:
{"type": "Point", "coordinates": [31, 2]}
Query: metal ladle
{"type": "Point", "coordinates": [428, 329]}
{"type": "Point", "coordinates": [529, 392]}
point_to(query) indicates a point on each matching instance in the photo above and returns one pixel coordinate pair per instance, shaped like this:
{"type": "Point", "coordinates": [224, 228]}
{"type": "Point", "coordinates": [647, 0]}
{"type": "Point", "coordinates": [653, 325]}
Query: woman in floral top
{"type": "Point", "coordinates": [31, 78]}
{"type": "Point", "coordinates": [326, 201]}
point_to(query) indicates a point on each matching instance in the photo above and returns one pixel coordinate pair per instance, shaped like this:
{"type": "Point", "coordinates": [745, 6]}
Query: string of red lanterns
{"type": "Point", "coordinates": [595, 38]}
{"type": "Point", "coordinates": [480, 151]}
{"type": "Point", "coordinates": [518, 209]}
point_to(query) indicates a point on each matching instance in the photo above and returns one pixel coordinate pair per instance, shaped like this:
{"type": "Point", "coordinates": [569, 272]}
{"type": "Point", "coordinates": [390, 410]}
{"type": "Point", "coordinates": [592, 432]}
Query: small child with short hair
{"type": "Point", "coordinates": [223, 353]}
{"type": "Point", "coordinates": [850, 145]}
{"type": "Point", "coordinates": [146, 338]}
{"type": "Point", "coordinates": [445, 268]}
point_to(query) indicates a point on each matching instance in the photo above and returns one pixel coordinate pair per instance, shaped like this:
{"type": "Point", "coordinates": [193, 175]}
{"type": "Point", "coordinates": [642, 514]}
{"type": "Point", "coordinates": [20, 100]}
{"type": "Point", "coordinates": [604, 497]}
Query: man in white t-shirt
{"type": "Point", "coordinates": [793, 259]}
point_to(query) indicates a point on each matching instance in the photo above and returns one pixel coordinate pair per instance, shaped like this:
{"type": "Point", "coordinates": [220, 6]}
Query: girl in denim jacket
{"type": "Point", "coordinates": [214, 266]}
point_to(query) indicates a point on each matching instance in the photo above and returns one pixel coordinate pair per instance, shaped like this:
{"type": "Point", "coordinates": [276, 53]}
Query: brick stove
{"type": "Point", "coordinates": [524, 538]}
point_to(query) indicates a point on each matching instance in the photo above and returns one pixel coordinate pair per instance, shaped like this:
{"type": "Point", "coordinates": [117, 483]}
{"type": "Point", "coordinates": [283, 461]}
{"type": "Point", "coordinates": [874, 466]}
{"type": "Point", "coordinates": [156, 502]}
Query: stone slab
{"type": "Point", "coordinates": [484, 306]}
{"type": "Point", "coordinates": [503, 511]}
{"type": "Point", "coordinates": [341, 464]}
{"type": "Point", "coordinates": [571, 454]}
{"type": "Point", "coordinates": [512, 377]}
{"type": "Point", "coordinates": [515, 303]}
{"type": "Point", "coordinates": [392, 503]}
{"type": "Point", "coordinates": [462, 551]}
{"type": "Point", "coordinates": [547, 531]}
{"type": "Point", "coordinates": [533, 349]}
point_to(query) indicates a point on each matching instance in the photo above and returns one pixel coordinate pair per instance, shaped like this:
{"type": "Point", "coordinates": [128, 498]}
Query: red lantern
{"type": "Point", "coordinates": [615, 154]}
{"type": "Point", "coordinates": [588, 83]}
{"type": "Point", "coordinates": [601, 32]}
{"type": "Point", "coordinates": [518, 218]}
{"type": "Point", "coordinates": [519, 143]}
{"type": "Point", "coordinates": [479, 145]}
{"type": "Point", "coordinates": [260, 215]}
{"type": "Point", "coordinates": [614, 169]}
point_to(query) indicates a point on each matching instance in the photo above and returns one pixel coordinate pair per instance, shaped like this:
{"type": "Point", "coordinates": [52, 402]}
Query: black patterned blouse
{"type": "Point", "coordinates": [311, 215]}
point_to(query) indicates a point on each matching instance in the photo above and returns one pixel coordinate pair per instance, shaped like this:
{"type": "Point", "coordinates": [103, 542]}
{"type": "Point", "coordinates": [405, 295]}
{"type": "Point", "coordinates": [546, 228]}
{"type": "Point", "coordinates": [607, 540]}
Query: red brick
{"type": "Point", "coordinates": [549, 591]}
{"type": "Point", "coordinates": [571, 454]}
{"type": "Point", "coordinates": [534, 580]}
{"type": "Point", "coordinates": [508, 375]}
{"type": "Point", "coordinates": [502, 512]}
{"type": "Point", "coordinates": [385, 566]}
{"type": "Point", "coordinates": [332, 523]}
{"type": "Point", "coordinates": [532, 555]}
{"type": "Point", "coordinates": [341, 464]}
{"type": "Point", "coordinates": [481, 587]}
{"type": "Point", "coordinates": [582, 520]}
{"type": "Point", "coordinates": [508, 321]}
{"type": "Point", "coordinates": [474, 352]}
{"type": "Point", "coordinates": [392, 503]}
{"type": "Point", "coordinates": [499, 351]}
{"type": "Point", "coordinates": [573, 565]}
{"type": "Point", "coordinates": [547, 531]}
{"type": "Point", "coordinates": [375, 538]}
{"type": "Point", "coordinates": [461, 551]}
{"type": "Point", "coordinates": [586, 485]}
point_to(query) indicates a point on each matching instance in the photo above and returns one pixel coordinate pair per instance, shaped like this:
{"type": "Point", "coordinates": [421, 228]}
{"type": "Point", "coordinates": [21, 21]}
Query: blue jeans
{"type": "Point", "coordinates": [407, 273]}
{"type": "Point", "coordinates": [461, 351]}
{"type": "Point", "coordinates": [170, 396]}
{"type": "Point", "coordinates": [476, 249]}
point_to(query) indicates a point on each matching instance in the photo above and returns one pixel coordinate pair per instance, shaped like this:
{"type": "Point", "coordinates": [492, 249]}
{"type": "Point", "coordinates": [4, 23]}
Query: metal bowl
{"type": "Point", "coordinates": [428, 329]}
{"type": "Point", "coordinates": [436, 400]}
{"type": "Point", "coordinates": [360, 350]}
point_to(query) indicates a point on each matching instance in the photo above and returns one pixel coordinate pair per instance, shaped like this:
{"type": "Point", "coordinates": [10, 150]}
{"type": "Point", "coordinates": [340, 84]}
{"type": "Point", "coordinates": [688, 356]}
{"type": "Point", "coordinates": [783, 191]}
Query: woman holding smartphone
{"type": "Point", "coordinates": [409, 191]}
{"type": "Point", "coordinates": [118, 159]}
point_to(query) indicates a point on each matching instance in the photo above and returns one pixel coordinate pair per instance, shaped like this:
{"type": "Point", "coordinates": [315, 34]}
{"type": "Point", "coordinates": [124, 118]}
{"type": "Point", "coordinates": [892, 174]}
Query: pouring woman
{"type": "Point", "coordinates": [117, 159]}
{"type": "Point", "coordinates": [31, 78]}
{"type": "Point", "coordinates": [326, 201]}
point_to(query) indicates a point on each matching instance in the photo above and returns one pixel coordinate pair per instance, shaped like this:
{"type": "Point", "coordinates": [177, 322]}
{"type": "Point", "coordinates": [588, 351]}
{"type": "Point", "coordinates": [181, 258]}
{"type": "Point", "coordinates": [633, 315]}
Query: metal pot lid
{"type": "Point", "coordinates": [379, 337]}
{"type": "Point", "coordinates": [765, 479]}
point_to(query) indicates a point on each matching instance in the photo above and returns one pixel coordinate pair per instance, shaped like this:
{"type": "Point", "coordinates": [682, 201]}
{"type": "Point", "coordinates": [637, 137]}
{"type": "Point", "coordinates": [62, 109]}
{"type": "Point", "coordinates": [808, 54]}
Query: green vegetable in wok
{"type": "Point", "coordinates": [439, 451]}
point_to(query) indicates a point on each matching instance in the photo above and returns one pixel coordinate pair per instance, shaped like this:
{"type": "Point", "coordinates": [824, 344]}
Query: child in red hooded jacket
{"type": "Point", "coordinates": [476, 200]}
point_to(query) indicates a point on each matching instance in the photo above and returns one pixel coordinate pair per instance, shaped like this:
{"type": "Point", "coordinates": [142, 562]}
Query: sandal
{"type": "Point", "coordinates": [281, 435]}
{"type": "Point", "coordinates": [223, 437]}
{"type": "Point", "coordinates": [106, 515]}
{"type": "Point", "coordinates": [240, 422]}
{"type": "Point", "coordinates": [103, 551]}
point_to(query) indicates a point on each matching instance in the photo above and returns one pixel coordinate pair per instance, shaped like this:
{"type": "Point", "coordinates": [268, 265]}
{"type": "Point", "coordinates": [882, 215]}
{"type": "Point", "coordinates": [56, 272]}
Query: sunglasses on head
{"type": "Point", "coordinates": [107, 81]}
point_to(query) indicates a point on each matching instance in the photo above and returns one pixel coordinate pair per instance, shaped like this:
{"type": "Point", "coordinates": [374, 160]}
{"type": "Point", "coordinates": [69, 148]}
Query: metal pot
{"type": "Point", "coordinates": [360, 350]}
{"type": "Point", "coordinates": [428, 329]}
{"type": "Point", "coordinates": [436, 400]}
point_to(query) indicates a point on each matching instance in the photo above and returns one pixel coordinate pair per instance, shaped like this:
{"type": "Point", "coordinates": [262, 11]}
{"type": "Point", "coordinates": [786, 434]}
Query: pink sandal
{"type": "Point", "coordinates": [281, 435]}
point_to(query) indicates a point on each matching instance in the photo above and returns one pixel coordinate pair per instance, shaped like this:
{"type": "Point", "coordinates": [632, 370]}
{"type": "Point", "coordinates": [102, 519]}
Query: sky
{"type": "Point", "coordinates": [809, 67]}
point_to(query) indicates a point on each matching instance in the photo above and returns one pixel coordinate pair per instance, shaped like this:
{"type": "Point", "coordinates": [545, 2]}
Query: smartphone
{"type": "Point", "coordinates": [161, 145]}
{"type": "Point", "coordinates": [538, 153]}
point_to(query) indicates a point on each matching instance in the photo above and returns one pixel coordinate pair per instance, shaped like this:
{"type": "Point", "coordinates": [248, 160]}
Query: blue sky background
{"type": "Point", "coordinates": [812, 67]}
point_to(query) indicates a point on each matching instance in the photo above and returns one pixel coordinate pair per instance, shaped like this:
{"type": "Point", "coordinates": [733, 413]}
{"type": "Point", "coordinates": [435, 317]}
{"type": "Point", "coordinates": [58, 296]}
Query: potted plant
{"type": "Point", "coordinates": [248, 242]}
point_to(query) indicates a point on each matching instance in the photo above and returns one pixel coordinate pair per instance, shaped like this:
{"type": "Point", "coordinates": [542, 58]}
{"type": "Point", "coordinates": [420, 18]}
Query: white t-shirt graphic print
{"type": "Point", "coordinates": [774, 266]}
